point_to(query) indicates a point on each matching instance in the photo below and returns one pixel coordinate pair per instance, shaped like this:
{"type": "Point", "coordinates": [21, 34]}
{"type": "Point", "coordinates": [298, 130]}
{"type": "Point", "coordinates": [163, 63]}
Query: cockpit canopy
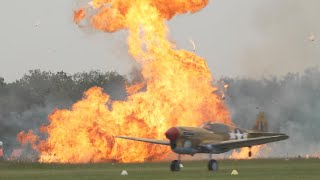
{"type": "Point", "coordinates": [216, 127]}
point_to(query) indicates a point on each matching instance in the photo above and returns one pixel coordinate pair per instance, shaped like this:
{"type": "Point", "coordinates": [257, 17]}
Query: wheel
{"type": "Point", "coordinates": [213, 165]}
{"type": "Point", "coordinates": [175, 165]}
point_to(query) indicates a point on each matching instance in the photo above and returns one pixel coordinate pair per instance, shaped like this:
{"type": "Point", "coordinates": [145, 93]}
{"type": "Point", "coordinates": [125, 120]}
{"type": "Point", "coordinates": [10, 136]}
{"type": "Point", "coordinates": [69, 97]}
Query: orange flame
{"type": "Point", "coordinates": [79, 15]}
{"type": "Point", "coordinates": [313, 155]}
{"type": "Point", "coordinates": [27, 138]}
{"type": "Point", "coordinates": [178, 91]}
{"type": "Point", "coordinates": [135, 88]}
{"type": "Point", "coordinates": [244, 152]}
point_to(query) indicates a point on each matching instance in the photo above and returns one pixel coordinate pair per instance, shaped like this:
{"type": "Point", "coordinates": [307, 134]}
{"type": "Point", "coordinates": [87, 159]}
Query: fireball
{"type": "Point", "coordinates": [177, 87]}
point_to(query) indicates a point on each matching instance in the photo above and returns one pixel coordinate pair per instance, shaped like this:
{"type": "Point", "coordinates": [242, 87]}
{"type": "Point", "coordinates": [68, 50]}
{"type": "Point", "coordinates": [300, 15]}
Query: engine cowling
{"type": "Point", "coordinates": [180, 141]}
{"type": "Point", "coordinates": [172, 134]}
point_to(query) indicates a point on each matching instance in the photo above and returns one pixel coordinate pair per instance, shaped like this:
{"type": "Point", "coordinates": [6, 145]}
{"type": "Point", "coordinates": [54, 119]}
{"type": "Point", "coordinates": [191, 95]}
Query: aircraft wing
{"type": "Point", "coordinates": [232, 144]}
{"type": "Point", "coordinates": [153, 141]}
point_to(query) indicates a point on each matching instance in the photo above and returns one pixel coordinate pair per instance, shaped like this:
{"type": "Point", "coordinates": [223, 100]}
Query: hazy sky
{"type": "Point", "coordinates": [247, 38]}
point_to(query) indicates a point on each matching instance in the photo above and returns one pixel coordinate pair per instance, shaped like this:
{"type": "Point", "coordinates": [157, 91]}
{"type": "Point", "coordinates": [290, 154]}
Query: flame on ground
{"type": "Point", "coordinates": [313, 155]}
{"type": "Point", "coordinates": [244, 152]}
{"type": "Point", "coordinates": [178, 91]}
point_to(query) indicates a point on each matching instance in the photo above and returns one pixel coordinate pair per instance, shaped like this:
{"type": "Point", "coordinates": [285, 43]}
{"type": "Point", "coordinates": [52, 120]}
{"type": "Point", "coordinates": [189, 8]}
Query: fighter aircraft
{"type": "Point", "coordinates": [211, 138]}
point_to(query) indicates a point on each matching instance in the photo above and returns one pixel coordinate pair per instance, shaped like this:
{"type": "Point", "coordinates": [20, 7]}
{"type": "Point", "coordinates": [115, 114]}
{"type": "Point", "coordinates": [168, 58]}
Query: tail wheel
{"type": "Point", "coordinates": [175, 165]}
{"type": "Point", "coordinates": [213, 165]}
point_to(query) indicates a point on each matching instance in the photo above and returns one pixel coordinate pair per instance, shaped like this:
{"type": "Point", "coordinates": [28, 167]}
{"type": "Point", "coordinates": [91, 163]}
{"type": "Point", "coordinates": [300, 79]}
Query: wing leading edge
{"type": "Point", "coordinates": [232, 144]}
{"type": "Point", "coordinates": [153, 141]}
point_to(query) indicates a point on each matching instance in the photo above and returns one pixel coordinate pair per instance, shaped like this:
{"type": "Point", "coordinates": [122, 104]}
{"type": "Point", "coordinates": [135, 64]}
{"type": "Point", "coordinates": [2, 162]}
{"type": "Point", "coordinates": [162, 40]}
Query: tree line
{"type": "Point", "coordinates": [26, 102]}
{"type": "Point", "coordinates": [290, 102]}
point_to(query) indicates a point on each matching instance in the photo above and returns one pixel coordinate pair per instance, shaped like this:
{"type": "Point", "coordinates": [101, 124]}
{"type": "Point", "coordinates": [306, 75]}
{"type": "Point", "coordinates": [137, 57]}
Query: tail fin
{"type": "Point", "coordinates": [261, 123]}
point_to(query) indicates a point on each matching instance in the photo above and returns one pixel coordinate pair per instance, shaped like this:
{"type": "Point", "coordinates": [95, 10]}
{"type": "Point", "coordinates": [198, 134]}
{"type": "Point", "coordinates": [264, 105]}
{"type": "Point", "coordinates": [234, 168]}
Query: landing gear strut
{"type": "Point", "coordinates": [176, 164]}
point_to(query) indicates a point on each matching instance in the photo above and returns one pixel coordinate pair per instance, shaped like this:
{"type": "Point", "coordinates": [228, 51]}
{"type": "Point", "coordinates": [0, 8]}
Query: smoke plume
{"type": "Point", "coordinates": [291, 104]}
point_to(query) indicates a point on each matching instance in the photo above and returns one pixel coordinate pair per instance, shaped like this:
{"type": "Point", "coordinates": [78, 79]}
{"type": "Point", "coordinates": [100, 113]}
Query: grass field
{"type": "Point", "coordinates": [248, 169]}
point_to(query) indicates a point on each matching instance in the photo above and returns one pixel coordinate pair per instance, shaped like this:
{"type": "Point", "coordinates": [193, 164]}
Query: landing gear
{"type": "Point", "coordinates": [250, 152]}
{"type": "Point", "coordinates": [213, 165]}
{"type": "Point", "coordinates": [175, 165]}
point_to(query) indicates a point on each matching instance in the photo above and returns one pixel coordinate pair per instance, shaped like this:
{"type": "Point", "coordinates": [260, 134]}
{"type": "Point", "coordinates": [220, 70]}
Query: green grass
{"type": "Point", "coordinates": [248, 169]}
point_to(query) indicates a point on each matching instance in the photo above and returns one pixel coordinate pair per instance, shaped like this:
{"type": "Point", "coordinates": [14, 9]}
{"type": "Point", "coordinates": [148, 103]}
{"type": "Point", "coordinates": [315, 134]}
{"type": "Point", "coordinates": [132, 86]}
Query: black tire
{"type": "Point", "coordinates": [175, 165]}
{"type": "Point", "coordinates": [213, 165]}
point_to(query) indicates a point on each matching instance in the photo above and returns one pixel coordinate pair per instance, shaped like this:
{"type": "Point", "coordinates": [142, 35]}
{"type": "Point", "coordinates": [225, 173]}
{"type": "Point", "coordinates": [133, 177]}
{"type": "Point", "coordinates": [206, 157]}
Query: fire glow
{"type": "Point", "coordinates": [243, 153]}
{"type": "Point", "coordinates": [178, 91]}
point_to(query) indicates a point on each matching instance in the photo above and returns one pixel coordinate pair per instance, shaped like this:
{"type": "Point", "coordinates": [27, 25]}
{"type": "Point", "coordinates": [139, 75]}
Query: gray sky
{"type": "Point", "coordinates": [247, 38]}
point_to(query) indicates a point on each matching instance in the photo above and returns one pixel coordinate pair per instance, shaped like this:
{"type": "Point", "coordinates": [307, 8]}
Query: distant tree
{"type": "Point", "coordinates": [112, 82]}
{"type": "Point", "coordinates": [2, 86]}
{"type": "Point", "coordinates": [2, 83]}
{"type": "Point", "coordinates": [26, 102]}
